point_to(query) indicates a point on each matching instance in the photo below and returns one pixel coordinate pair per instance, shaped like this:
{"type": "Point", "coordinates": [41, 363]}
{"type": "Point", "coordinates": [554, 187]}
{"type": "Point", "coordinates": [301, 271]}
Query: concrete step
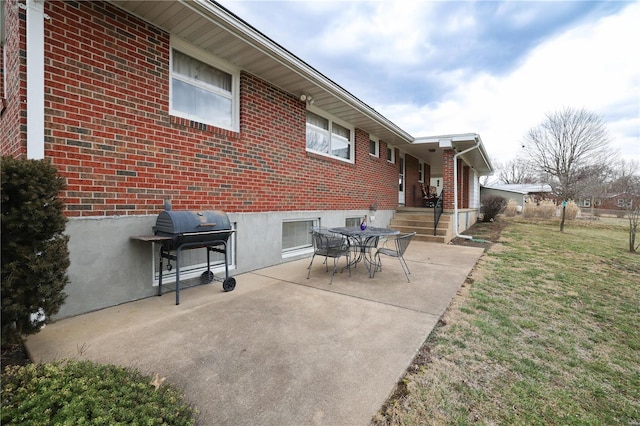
{"type": "Point", "coordinates": [420, 220]}
{"type": "Point", "coordinates": [420, 217]}
{"type": "Point", "coordinates": [418, 223]}
{"type": "Point", "coordinates": [431, 238]}
{"type": "Point", "coordinates": [420, 230]}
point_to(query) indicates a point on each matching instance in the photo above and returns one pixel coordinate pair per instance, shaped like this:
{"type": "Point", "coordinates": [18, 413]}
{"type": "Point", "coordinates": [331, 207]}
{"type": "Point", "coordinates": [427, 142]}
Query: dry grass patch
{"type": "Point", "coordinates": [545, 332]}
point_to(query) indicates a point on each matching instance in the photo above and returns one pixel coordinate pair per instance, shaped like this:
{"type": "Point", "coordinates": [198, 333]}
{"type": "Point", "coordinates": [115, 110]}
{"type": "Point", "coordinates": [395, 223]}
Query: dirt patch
{"type": "Point", "coordinates": [14, 355]}
{"type": "Point", "coordinates": [483, 234]}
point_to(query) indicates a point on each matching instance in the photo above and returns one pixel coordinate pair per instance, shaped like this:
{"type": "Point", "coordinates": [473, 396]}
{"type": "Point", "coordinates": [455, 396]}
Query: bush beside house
{"type": "Point", "coordinates": [492, 207]}
{"type": "Point", "coordinates": [35, 257]}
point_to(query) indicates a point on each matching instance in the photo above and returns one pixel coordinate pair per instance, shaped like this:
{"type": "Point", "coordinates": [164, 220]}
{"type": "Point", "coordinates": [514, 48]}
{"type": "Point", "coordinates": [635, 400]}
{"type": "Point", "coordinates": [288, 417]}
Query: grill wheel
{"type": "Point", "coordinates": [229, 284]}
{"type": "Point", "coordinates": [206, 277]}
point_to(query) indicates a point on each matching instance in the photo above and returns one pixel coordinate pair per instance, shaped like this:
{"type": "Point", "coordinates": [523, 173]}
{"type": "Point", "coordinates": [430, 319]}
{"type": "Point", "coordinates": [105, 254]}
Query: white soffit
{"type": "Point", "coordinates": [211, 27]}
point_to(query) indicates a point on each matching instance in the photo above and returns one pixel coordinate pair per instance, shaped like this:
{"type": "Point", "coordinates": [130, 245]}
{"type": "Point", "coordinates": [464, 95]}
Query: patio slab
{"type": "Point", "coordinates": [280, 349]}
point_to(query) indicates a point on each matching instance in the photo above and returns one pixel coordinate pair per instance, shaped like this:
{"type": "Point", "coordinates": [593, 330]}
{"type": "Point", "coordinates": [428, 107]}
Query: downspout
{"type": "Point", "coordinates": [455, 190]}
{"type": "Point", "coordinates": [35, 78]}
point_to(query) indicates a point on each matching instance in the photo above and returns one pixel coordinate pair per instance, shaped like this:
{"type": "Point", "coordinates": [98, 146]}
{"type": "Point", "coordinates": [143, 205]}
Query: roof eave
{"type": "Point", "coordinates": [263, 45]}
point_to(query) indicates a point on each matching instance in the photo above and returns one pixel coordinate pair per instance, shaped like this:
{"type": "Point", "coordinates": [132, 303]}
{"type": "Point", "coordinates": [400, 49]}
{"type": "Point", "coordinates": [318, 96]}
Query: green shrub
{"type": "Point", "coordinates": [35, 256]}
{"type": "Point", "coordinates": [492, 207]}
{"type": "Point", "coordinates": [81, 392]}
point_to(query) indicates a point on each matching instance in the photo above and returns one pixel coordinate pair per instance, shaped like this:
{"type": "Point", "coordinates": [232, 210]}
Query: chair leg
{"type": "Point", "coordinates": [336, 260]}
{"type": "Point", "coordinates": [405, 267]}
{"type": "Point", "coordinates": [309, 267]}
{"type": "Point", "coordinates": [335, 267]}
{"type": "Point", "coordinates": [376, 265]}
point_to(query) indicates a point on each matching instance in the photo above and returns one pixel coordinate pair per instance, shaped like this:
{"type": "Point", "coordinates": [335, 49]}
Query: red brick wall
{"type": "Point", "coordinates": [447, 178]}
{"type": "Point", "coordinates": [109, 132]}
{"type": "Point", "coordinates": [13, 118]}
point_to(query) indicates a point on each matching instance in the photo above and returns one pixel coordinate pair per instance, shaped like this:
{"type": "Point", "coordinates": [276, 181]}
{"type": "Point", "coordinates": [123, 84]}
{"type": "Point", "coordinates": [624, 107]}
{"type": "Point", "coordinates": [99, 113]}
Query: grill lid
{"type": "Point", "coordinates": [174, 222]}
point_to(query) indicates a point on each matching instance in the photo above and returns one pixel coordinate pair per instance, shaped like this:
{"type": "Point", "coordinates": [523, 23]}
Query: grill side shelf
{"type": "Point", "coordinates": [151, 238]}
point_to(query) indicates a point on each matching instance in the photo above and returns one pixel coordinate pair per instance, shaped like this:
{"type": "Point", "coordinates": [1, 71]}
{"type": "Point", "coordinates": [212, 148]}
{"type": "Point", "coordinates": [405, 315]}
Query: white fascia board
{"type": "Point", "coordinates": [257, 40]}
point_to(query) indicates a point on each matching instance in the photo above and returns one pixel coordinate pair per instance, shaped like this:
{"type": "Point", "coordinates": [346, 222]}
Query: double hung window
{"type": "Point", "coordinates": [202, 92]}
{"type": "Point", "coordinates": [326, 137]}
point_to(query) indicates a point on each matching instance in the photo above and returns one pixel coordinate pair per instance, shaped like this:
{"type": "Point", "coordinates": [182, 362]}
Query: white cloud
{"type": "Point", "coordinates": [594, 65]}
{"type": "Point", "coordinates": [591, 66]}
{"type": "Point", "coordinates": [374, 31]}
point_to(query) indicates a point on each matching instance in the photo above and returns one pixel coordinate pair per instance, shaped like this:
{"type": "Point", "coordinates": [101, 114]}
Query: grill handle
{"type": "Point", "coordinates": [206, 224]}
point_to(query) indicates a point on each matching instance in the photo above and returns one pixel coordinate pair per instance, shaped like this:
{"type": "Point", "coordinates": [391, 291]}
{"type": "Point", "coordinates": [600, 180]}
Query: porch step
{"type": "Point", "coordinates": [420, 220]}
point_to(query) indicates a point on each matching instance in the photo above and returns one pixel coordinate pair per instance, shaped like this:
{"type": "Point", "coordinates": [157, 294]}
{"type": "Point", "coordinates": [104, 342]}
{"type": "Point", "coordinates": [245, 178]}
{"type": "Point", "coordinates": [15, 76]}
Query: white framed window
{"type": "Point", "coordinates": [329, 136]}
{"type": "Point", "coordinates": [586, 202]}
{"type": "Point", "coordinates": [620, 202]}
{"type": "Point", "coordinates": [203, 88]}
{"type": "Point", "coordinates": [353, 221]}
{"type": "Point", "coordinates": [194, 262]}
{"type": "Point", "coordinates": [391, 154]}
{"type": "Point", "coordinates": [296, 236]}
{"type": "Point", "coordinates": [374, 146]}
{"type": "Point", "coordinates": [421, 172]}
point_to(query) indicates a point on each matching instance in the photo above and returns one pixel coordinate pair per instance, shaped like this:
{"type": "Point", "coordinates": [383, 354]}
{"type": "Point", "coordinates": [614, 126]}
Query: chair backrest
{"type": "Point", "coordinates": [324, 240]}
{"type": "Point", "coordinates": [402, 242]}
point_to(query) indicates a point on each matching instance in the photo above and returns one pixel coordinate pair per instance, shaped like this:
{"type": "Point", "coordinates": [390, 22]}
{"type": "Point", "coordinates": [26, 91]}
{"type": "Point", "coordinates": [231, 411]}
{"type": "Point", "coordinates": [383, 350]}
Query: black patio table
{"type": "Point", "coordinates": [363, 240]}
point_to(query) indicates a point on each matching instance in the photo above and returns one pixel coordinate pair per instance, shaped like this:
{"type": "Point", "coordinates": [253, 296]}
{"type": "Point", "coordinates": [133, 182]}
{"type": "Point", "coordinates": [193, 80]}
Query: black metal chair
{"type": "Point", "coordinates": [401, 242]}
{"type": "Point", "coordinates": [329, 245]}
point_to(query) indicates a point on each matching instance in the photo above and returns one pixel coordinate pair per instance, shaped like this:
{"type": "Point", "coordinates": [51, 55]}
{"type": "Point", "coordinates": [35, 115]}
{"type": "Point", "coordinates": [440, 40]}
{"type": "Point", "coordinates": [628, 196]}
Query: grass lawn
{"type": "Point", "coordinates": [547, 333]}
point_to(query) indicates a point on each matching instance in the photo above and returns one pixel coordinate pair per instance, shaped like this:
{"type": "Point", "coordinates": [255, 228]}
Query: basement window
{"type": "Point", "coordinates": [296, 237]}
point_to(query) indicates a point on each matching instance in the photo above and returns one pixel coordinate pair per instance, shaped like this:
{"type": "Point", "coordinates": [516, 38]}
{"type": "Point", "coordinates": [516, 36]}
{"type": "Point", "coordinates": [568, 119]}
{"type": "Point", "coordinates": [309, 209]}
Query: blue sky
{"type": "Point", "coordinates": [490, 67]}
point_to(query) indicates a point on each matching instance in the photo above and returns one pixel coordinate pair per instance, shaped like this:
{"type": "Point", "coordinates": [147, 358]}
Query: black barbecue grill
{"type": "Point", "coordinates": [185, 230]}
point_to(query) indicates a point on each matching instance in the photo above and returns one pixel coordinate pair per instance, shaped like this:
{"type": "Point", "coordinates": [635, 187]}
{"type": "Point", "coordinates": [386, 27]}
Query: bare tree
{"type": "Point", "coordinates": [633, 213]}
{"type": "Point", "coordinates": [518, 170]}
{"type": "Point", "coordinates": [568, 147]}
{"type": "Point", "coordinates": [627, 183]}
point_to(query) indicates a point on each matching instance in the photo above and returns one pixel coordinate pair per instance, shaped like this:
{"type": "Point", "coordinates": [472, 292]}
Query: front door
{"type": "Point", "coordinates": [401, 179]}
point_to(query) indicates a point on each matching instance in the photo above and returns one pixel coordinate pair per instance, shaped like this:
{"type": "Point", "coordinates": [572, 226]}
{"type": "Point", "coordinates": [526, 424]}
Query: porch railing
{"type": "Point", "coordinates": [437, 212]}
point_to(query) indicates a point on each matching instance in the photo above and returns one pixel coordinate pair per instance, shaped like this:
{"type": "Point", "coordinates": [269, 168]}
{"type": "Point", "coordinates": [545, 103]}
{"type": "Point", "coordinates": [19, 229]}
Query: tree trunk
{"type": "Point", "coordinates": [634, 216]}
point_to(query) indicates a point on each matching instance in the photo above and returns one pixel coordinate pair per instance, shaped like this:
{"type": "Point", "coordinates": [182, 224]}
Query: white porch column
{"type": "Point", "coordinates": [35, 79]}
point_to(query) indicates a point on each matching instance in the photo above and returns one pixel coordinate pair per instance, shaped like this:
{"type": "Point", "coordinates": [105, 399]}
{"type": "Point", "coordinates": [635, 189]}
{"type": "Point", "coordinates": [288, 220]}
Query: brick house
{"type": "Point", "coordinates": [140, 102]}
{"type": "Point", "coordinates": [609, 201]}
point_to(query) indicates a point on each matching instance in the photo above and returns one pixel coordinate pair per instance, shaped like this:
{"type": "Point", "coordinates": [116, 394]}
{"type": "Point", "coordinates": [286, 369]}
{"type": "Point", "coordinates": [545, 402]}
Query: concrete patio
{"type": "Point", "coordinates": [280, 349]}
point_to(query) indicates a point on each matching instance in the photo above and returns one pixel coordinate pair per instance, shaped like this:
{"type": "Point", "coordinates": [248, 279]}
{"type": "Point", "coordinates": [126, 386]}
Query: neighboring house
{"type": "Point", "coordinates": [609, 202]}
{"type": "Point", "coordinates": [520, 193]}
{"type": "Point", "coordinates": [141, 102]}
